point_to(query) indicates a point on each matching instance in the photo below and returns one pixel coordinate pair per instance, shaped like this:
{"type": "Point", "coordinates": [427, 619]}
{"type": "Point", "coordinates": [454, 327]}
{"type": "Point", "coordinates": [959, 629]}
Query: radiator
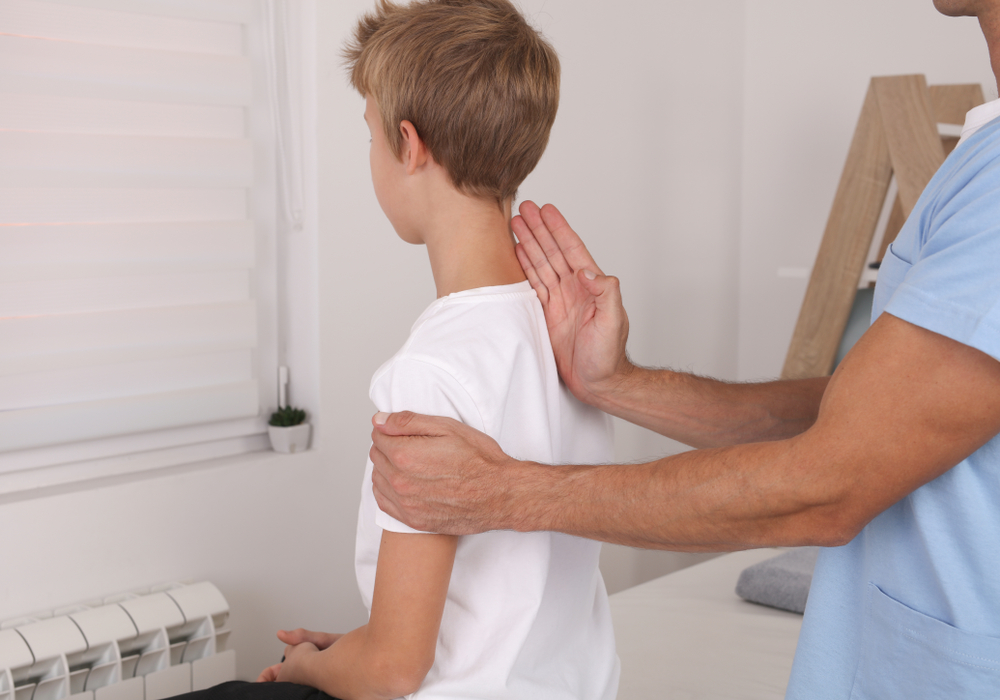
{"type": "Point", "coordinates": [147, 645]}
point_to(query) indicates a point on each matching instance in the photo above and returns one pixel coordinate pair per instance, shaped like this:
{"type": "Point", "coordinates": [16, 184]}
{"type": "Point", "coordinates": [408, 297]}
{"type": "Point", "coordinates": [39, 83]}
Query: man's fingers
{"type": "Point", "coordinates": [564, 237]}
{"type": "Point", "coordinates": [607, 293]}
{"type": "Point", "coordinates": [529, 271]}
{"type": "Point", "coordinates": [540, 262]}
{"type": "Point", "coordinates": [532, 216]}
{"type": "Point", "coordinates": [386, 492]}
{"type": "Point", "coordinates": [384, 495]}
{"type": "Point", "coordinates": [602, 287]}
{"type": "Point", "coordinates": [409, 424]}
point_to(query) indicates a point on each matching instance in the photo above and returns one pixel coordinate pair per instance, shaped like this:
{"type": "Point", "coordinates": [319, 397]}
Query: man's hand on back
{"type": "Point", "coordinates": [583, 308]}
{"type": "Point", "coordinates": [438, 475]}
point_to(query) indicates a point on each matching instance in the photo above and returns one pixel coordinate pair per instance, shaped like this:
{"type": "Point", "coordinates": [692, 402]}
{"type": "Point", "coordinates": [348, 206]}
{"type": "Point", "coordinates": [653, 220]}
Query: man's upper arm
{"type": "Point", "coordinates": [906, 405]}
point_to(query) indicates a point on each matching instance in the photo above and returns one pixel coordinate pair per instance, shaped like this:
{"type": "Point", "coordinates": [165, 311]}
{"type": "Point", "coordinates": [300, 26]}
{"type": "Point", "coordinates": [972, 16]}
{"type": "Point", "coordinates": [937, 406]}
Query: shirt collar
{"type": "Point", "coordinates": [978, 117]}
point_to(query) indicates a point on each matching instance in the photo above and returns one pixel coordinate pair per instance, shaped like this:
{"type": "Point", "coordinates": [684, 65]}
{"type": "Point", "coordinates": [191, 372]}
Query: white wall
{"type": "Point", "coordinates": [697, 149]}
{"type": "Point", "coordinates": [806, 72]}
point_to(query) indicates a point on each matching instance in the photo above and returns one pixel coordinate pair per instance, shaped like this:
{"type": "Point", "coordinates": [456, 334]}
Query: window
{"type": "Point", "coordinates": [137, 236]}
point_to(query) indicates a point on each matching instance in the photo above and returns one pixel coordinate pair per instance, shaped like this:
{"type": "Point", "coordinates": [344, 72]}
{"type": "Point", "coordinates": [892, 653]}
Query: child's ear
{"type": "Point", "coordinates": [413, 152]}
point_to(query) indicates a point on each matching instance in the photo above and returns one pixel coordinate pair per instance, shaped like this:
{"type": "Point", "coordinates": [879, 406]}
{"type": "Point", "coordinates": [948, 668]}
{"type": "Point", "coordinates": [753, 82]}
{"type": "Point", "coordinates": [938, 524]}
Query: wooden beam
{"type": "Point", "coordinates": [844, 248]}
{"type": "Point", "coordinates": [950, 103]}
{"type": "Point", "coordinates": [911, 133]}
{"type": "Point", "coordinates": [896, 133]}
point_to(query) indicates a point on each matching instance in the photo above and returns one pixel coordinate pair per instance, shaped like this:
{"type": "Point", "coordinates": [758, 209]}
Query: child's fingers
{"type": "Point", "coordinates": [269, 674]}
{"type": "Point", "coordinates": [290, 636]}
{"type": "Point", "coordinates": [320, 640]}
{"type": "Point", "coordinates": [293, 637]}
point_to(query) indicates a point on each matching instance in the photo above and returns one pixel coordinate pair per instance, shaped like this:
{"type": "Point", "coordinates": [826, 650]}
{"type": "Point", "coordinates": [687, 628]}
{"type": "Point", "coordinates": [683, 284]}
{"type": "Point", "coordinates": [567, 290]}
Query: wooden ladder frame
{"type": "Point", "coordinates": [896, 133]}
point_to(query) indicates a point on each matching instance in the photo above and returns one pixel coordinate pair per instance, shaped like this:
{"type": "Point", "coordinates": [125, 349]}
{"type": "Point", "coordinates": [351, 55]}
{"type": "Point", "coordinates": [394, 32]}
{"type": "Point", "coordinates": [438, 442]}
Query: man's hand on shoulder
{"type": "Point", "coordinates": [583, 308]}
{"type": "Point", "coordinates": [438, 475]}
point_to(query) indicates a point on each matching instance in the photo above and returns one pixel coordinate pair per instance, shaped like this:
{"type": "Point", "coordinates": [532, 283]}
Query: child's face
{"type": "Point", "coordinates": [388, 174]}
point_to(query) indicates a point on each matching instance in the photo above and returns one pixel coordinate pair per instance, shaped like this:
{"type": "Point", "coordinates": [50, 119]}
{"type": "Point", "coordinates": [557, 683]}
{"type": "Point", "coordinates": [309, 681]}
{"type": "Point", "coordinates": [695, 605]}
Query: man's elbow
{"type": "Point", "coordinates": [833, 537]}
{"type": "Point", "coordinates": [832, 525]}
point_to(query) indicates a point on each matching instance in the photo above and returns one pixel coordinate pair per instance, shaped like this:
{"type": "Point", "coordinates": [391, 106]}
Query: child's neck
{"type": "Point", "coordinates": [470, 245]}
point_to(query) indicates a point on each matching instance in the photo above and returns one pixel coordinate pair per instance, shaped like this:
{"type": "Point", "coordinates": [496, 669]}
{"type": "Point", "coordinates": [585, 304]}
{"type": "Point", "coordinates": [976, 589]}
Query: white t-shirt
{"type": "Point", "coordinates": [527, 614]}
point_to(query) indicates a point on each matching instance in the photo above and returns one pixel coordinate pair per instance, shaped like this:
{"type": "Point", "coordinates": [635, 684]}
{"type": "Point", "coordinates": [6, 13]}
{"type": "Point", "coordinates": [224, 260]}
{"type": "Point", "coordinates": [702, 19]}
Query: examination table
{"type": "Point", "coordinates": [687, 635]}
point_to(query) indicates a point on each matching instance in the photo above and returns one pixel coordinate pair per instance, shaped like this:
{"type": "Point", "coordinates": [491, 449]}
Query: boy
{"type": "Point", "coordinates": [460, 96]}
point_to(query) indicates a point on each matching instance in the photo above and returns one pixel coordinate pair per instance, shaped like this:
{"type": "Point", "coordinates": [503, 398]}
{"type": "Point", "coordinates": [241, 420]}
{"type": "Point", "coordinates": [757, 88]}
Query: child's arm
{"type": "Point", "coordinates": [390, 656]}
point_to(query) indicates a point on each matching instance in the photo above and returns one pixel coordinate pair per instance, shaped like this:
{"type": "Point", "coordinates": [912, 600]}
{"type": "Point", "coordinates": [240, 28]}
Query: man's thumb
{"type": "Point", "coordinates": [400, 423]}
{"type": "Point", "coordinates": [594, 283]}
{"type": "Point", "coordinates": [604, 287]}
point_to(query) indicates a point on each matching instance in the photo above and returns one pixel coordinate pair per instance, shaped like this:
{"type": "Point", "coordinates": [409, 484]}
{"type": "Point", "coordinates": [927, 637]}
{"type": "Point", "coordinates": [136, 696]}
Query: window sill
{"type": "Point", "coordinates": [80, 476]}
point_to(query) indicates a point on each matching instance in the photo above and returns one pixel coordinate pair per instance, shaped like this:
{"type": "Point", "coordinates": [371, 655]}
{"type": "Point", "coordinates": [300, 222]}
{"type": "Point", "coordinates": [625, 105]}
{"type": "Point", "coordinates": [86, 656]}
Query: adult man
{"type": "Point", "coordinates": [894, 462]}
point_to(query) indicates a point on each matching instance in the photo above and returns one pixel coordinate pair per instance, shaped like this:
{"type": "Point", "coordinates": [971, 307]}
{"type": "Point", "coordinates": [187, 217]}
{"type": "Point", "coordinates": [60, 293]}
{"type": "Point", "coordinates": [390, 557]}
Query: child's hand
{"type": "Point", "coordinates": [269, 674]}
{"type": "Point", "coordinates": [296, 638]}
{"type": "Point", "coordinates": [294, 669]}
{"type": "Point", "coordinates": [321, 640]}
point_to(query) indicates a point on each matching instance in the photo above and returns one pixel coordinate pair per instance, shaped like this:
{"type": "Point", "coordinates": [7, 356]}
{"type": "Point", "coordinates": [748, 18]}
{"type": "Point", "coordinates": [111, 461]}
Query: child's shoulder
{"type": "Point", "coordinates": [472, 334]}
{"type": "Point", "coordinates": [483, 316]}
{"type": "Point", "coordinates": [489, 321]}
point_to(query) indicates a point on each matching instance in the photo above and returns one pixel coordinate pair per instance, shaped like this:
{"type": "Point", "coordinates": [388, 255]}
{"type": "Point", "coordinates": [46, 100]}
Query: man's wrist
{"type": "Point", "coordinates": [535, 497]}
{"type": "Point", "coordinates": [612, 391]}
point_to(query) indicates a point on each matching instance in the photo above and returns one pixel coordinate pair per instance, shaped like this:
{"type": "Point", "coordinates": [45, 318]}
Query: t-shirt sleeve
{"type": "Point", "coordinates": [422, 387]}
{"type": "Point", "coordinates": [953, 284]}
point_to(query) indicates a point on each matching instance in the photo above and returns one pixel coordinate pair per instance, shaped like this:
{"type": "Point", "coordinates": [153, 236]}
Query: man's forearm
{"type": "Point", "coordinates": [904, 407]}
{"type": "Point", "coordinates": [704, 412]}
{"type": "Point", "coordinates": [722, 499]}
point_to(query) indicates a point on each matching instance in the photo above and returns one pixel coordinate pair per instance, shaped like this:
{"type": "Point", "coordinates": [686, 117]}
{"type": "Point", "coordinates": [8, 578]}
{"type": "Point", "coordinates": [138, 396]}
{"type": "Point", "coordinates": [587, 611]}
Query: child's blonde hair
{"type": "Point", "coordinates": [480, 85]}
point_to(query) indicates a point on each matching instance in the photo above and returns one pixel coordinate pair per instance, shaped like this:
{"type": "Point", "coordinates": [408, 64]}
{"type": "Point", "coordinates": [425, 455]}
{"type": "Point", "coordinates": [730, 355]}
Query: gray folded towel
{"type": "Point", "coordinates": [780, 582]}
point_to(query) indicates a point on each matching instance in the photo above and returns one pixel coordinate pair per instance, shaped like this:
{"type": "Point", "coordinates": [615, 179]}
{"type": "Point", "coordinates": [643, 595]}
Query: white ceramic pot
{"type": "Point", "coordinates": [289, 440]}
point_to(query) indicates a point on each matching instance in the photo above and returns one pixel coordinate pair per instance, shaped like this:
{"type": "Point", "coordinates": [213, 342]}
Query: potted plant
{"type": "Point", "coordinates": [288, 430]}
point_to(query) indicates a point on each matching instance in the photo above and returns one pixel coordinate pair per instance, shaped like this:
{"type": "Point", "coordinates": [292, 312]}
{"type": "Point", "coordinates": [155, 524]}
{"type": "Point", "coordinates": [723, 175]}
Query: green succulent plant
{"type": "Point", "coordinates": [286, 417]}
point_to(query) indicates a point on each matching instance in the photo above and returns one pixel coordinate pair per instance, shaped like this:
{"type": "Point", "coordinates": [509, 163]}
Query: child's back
{"type": "Point", "coordinates": [527, 614]}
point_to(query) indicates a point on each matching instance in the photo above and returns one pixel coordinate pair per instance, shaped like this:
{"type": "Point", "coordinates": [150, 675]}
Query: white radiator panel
{"type": "Point", "coordinates": [132, 646]}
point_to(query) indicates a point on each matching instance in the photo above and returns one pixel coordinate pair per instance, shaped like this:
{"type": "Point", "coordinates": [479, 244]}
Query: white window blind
{"type": "Point", "coordinates": [136, 230]}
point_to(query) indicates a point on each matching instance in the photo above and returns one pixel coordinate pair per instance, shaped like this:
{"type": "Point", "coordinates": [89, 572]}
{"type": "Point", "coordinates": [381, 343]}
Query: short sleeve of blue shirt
{"type": "Point", "coordinates": [944, 268]}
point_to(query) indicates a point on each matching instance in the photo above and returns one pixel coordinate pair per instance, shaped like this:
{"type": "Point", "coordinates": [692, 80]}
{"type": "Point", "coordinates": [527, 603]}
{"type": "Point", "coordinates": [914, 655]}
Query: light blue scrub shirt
{"type": "Point", "coordinates": [911, 607]}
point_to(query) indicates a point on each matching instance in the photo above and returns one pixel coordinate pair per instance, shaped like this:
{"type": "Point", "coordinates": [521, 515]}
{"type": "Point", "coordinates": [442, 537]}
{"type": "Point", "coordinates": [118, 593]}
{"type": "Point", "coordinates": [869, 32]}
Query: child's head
{"type": "Point", "coordinates": [479, 84]}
